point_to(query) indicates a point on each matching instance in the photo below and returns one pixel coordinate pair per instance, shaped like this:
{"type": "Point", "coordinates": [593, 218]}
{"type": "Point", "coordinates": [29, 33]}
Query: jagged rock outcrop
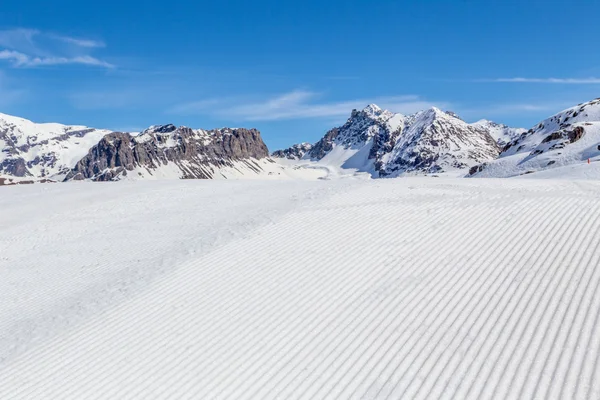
{"type": "Point", "coordinates": [295, 152]}
{"type": "Point", "coordinates": [182, 152]}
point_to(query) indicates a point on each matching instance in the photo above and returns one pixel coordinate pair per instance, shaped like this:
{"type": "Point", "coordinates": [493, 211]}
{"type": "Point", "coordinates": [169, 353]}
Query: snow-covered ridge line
{"type": "Point", "coordinates": [570, 137]}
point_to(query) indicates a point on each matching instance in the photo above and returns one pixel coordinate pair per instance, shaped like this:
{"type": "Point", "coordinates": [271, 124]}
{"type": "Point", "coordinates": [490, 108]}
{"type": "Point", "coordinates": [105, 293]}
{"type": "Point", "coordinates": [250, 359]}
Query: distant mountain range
{"type": "Point", "coordinates": [385, 144]}
{"type": "Point", "coordinates": [372, 140]}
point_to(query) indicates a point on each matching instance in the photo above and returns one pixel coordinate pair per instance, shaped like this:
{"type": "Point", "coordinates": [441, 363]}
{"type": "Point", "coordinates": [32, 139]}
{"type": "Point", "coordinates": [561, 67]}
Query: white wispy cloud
{"type": "Point", "coordinates": [14, 56]}
{"type": "Point", "coordinates": [24, 60]}
{"type": "Point", "coordinates": [78, 41]}
{"type": "Point", "coordinates": [297, 104]}
{"type": "Point", "coordinates": [571, 81]}
{"type": "Point", "coordinates": [32, 48]}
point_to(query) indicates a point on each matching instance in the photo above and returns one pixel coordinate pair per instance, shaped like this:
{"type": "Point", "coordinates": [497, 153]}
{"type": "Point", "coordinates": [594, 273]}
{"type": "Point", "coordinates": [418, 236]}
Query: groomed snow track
{"type": "Point", "coordinates": [409, 288]}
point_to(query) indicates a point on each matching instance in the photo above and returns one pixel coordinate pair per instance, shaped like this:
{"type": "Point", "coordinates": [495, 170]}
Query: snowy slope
{"type": "Point", "coordinates": [42, 150]}
{"type": "Point", "coordinates": [85, 244]}
{"type": "Point", "coordinates": [503, 134]}
{"type": "Point", "coordinates": [570, 137]}
{"type": "Point", "coordinates": [414, 288]}
{"type": "Point", "coordinates": [251, 169]}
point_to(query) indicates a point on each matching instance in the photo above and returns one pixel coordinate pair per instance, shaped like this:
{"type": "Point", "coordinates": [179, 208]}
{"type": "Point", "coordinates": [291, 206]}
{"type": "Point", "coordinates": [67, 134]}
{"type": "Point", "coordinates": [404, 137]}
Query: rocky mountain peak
{"type": "Point", "coordinates": [160, 129]}
{"type": "Point", "coordinates": [370, 124]}
{"type": "Point", "coordinates": [372, 110]}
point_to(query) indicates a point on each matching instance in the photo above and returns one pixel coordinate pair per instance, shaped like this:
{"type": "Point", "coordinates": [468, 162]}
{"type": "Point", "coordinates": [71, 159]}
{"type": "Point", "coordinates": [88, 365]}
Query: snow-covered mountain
{"type": "Point", "coordinates": [387, 144]}
{"type": "Point", "coordinates": [567, 138]}
{"type": "Point", "coordinates": [503, 134]}
{"type": "Point", "coordinates": [435, 141]}
{"type": "Point", "coordinates": [32, 152]}
{"type": "Point", "coordinates": [40, 151]}
{"type": "Point", "coordinates": [361, 142]}
{"type": "Point", "coordinates": [295, 152]}
{"type": "Point", "coordinates": [167, 151]}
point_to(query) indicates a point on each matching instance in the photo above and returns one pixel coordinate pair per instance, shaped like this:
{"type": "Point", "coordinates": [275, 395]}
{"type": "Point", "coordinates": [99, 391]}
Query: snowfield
{"type": "Point", "coordinates": [419, 288]}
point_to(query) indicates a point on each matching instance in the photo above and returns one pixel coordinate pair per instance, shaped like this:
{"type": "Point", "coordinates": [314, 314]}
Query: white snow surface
{"type": "Point", "coordinates": [417, 288]}
{"type": "Point", "coordinates": [251, 168]}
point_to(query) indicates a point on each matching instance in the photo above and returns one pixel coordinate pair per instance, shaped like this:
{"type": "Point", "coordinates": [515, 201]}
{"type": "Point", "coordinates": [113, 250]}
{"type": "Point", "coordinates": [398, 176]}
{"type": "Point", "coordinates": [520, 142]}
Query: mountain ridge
{"type": "Point", "coordinates": [193, 154]}
{"type": "Point", "coordinates": [32, 151]}
{"type": "Point", "coordinates": [372, 140]}
{"type": "Point", "coordinates": [385, 144]}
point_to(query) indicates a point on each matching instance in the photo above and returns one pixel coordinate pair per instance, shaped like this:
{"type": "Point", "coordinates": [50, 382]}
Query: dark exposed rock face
{"type": "Point", "coordinates": [196, 153]}
{"type": "Point", "coordinates": [325, 145]}
{"type": "Point", "coordinates": [477, 168]}
{"type": "Point", "coordinates": [571, 135]}
{"type": "Point", "coordinates": [295, 152]}
{"type": "Point", "coordinates": [383, 143]}
{"type": "Point", "coordinates": [14, 167]}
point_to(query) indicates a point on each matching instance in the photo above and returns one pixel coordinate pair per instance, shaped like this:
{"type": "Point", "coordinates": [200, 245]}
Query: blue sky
{"type": "Point", "coordinates": [293, 69]}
